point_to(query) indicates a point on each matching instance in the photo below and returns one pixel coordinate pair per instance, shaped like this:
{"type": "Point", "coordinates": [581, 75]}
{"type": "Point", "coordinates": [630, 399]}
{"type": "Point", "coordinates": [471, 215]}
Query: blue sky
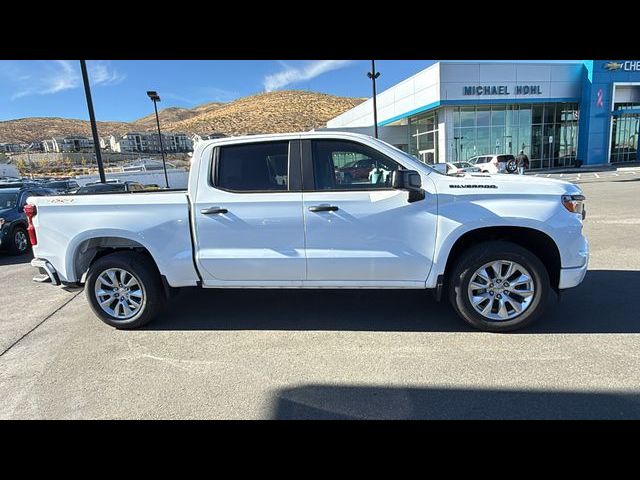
{"type": "Point", "coordinates": [53, 88]}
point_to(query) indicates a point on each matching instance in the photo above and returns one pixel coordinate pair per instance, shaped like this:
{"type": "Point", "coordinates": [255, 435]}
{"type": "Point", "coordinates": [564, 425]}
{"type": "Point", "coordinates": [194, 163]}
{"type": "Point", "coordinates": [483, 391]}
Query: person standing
{"type": "Point", "coordinates": [523, 162]}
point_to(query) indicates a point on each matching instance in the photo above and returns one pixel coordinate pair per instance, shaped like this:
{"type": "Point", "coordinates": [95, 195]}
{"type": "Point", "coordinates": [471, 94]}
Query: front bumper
{"type": "Point", "coordinates": [572, 277]}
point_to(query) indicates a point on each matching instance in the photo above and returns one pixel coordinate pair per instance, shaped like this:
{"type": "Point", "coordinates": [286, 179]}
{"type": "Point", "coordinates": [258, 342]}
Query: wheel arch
{"type": "Point", "coordinates": [536, 241]}
{"type": "Point", "coordinates": [91, 249]}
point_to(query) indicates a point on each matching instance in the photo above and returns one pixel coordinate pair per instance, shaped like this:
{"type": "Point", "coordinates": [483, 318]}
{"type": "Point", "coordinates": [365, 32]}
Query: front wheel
{"type": "Point", "coordinates": [499, 286]}
{"type": "Point", "coordinates": [124, 289]}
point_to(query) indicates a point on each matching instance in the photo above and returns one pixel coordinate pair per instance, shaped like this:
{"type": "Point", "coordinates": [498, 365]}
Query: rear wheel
{"type": "Point", "coordinates": [512, 166]}
{"type": "Point", "coordinates": [19, 241]}
{"type": "Point", "coordinates": [125, 290]}
{"type": "Point", "coordinates": [499, 286]}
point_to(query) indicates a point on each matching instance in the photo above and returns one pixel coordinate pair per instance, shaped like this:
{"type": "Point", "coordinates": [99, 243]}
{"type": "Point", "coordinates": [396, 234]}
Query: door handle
{"type": "Point", "coordinates": [214, 211]}
{"type": "Point", "coordinates": [323, 208]}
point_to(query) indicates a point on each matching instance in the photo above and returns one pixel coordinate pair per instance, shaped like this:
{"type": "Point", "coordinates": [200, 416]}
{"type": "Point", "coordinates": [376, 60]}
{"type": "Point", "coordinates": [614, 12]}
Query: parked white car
{"type": "Point", "coordinates": [503, 163]}
{"type": "Point", "coordinates": [267, 211]}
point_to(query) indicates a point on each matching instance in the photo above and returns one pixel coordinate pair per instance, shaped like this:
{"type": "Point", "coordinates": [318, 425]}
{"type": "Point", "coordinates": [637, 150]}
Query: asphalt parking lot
{"type": "Point", "coordinates": [335, 354]}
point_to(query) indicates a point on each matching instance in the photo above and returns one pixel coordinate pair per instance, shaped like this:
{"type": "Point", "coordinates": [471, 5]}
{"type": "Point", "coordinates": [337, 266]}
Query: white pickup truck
{"type": "Point", "coordinates": [318, 210]}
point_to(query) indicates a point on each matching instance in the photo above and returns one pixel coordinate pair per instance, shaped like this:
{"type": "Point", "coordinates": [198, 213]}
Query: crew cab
{"type": "Point", "coordinates": [267, 211]}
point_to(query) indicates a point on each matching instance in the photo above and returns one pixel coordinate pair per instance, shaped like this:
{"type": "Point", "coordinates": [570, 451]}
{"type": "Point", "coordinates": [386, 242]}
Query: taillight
{"type": "Point", "coordinates": [31, 211]}
{"type": "Point", "coordinates": [495, 161]}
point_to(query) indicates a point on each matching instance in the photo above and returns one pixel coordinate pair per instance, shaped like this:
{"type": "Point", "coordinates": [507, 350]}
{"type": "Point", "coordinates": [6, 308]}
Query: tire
{"type": "Point", "coordinates": [478, 256]}
{"type": "Point", "coordinates": [19, 241]}
{"type": "Point", "coordinates": [145, 274]}
{"type": "Point", "coordinates": [512, 166]}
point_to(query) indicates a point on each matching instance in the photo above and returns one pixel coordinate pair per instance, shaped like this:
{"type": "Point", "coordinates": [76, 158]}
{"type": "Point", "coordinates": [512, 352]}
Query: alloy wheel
{"type": "Point", "coordinates": [119, 293]}
{"type": "Point", "coordinates": [501, 290]}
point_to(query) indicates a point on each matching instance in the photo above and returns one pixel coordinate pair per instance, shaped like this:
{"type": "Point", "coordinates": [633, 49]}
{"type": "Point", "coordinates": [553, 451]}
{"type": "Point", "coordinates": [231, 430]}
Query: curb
{"type": "Point", "coordinates": [586, 169]}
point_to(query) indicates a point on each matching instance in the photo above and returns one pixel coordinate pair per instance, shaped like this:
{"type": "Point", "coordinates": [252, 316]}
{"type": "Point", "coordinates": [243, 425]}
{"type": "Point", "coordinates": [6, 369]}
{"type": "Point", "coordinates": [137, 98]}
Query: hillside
{"type": "Point", "coordinates": [171, 115]}
{"type": "Point", "coordinates": [273, 112]}
{"type": "Point", "coordinates": [25, 130]}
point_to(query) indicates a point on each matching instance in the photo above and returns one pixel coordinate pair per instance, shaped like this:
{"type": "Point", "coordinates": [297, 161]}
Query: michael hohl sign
{"type": "Point", "coordinates": [501, 90]}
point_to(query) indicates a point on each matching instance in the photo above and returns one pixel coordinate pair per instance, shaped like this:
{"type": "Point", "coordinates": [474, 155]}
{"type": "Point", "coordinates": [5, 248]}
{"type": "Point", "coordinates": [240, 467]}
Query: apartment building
{"type": "Point", "coordinates": [148, 142]}
{"type": "Point", "coordinates": [67, 144]}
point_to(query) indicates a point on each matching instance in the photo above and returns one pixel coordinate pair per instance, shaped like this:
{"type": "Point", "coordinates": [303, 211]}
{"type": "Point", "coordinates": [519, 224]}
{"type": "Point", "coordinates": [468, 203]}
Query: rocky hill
{"type": "Point", "coordinates": [273, 112]}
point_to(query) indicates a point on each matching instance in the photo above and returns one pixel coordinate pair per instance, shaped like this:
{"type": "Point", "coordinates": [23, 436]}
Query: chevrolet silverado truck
{"type": "Point", "coordinates": [268, 212]}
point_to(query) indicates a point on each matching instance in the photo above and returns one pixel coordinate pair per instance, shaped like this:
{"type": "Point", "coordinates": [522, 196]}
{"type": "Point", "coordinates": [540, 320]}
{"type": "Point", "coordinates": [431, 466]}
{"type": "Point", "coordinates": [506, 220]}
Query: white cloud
{"type": "Point", "coordinates": [60, 75]}
{"type": "Point", "coordinates": [101, 73]}
{"type": "Point", "coordinates": [294, 75]}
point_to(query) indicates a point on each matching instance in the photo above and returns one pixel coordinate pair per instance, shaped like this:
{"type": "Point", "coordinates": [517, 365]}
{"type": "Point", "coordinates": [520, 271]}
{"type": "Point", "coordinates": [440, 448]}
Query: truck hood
{"type": "Point", "coordinates": [505, 184]}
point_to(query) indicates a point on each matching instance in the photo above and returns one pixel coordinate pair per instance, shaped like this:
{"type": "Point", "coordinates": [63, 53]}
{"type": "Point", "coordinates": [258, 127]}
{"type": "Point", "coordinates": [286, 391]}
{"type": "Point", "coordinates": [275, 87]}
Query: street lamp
{"type": "Point", "coordinates": [156, 98]}
{"type": "Point", "coordinates": [92, 119]}
{"type": "Point", "coordinates": [373, 75]}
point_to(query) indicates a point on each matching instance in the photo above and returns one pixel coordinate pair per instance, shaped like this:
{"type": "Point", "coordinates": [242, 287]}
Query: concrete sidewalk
{"type": "Point", "coordinates": [589, 168]}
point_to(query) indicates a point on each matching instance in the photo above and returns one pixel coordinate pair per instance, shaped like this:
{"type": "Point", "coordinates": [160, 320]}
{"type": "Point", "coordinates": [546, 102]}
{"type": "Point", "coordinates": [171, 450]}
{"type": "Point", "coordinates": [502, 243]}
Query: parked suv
{"type": "Point", "coordinates": [13, 221]}
{"type": "Point", "coordinates": [495, 163]}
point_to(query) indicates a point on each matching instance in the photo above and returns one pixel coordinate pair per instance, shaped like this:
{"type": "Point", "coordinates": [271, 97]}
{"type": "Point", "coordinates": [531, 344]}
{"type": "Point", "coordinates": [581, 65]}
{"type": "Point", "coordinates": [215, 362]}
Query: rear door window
{"type": "Point", "coordinates": [254, 167]}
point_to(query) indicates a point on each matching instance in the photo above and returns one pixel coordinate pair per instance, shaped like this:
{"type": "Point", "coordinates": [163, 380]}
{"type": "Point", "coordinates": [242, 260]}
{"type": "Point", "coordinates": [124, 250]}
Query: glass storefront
{"type": "Point", "coordinates": [624, 133]}
{"type": "Point", "coordinates": [547, 132]}
{"type": "Point", "coordinates": [423, 137]}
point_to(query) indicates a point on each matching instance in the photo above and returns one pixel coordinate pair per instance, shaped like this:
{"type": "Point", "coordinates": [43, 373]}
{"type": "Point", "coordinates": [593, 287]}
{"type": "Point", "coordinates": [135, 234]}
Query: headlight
{"type": "Point", "coordinates": [575, 204]}
{"type": "Point", "coordinates": [1, 222]}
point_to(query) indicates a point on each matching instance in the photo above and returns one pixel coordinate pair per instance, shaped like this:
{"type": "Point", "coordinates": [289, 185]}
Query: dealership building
{"type": "Point", "coordinates": [557, 112]}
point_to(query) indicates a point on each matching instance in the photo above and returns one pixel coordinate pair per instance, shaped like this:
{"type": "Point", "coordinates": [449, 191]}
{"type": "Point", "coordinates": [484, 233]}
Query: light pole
{"type": "Point", "coordinates": [92, 119]}
{"type": "Point", "coordinates": [156, 98]}
{"type": "Point", "coordinates": [373, 75]}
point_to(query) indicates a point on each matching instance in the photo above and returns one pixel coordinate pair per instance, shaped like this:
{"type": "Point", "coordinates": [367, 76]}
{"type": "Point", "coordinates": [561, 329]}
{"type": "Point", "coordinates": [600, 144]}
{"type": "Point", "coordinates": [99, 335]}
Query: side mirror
{"type": "Point", "coordinates": [408, 180]}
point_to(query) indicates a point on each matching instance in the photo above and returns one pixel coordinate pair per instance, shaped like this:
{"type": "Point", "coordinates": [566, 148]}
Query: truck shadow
{"type": "Point", "coordinates": [604, 303]}
{"type": "Point", "coordinates": [347, 402]}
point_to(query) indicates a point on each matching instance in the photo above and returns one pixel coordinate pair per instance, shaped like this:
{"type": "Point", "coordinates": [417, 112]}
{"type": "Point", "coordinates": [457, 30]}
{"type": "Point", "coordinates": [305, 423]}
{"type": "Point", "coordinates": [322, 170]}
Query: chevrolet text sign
{"type": "Point", "coordinates": [502, 90]}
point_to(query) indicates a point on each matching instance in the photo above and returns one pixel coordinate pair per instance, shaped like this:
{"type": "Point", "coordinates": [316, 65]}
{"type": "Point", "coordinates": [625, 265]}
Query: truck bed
{"type": "Point", "coordinates": [68, 225]}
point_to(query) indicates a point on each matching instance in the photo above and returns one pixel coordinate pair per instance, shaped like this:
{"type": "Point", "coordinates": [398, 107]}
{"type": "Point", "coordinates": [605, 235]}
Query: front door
{"type": "Point", "coordinates": [360, 231]}
{"type": "Point", "coordinates": [248, 220]}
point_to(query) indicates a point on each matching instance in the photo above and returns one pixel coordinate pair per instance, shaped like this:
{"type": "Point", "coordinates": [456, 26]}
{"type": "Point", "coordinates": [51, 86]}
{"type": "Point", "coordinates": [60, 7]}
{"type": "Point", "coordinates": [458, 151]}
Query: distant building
{"type": "Point", "coordinates": [10, 147]}
{"type": "Point", "coordinates": [147, 142]}
{"type": "Point", "coordinates": [67, 144]}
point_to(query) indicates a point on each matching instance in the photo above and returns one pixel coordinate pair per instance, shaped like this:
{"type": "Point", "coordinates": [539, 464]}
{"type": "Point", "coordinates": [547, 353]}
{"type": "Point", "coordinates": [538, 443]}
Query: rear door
{"type": "Point", "coordinates": [248, 216]}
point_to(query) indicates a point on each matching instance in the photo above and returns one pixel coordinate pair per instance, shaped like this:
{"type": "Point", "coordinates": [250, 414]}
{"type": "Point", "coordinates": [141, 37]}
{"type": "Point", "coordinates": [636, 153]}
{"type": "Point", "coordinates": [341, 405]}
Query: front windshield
{"type": "Point", "coordinates": [8, 200]}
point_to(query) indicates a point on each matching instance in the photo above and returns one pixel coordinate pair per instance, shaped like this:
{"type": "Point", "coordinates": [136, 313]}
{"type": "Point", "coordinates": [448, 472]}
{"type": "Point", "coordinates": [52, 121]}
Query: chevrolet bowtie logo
{"type": "Point", "coordinates": [613, 66]}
